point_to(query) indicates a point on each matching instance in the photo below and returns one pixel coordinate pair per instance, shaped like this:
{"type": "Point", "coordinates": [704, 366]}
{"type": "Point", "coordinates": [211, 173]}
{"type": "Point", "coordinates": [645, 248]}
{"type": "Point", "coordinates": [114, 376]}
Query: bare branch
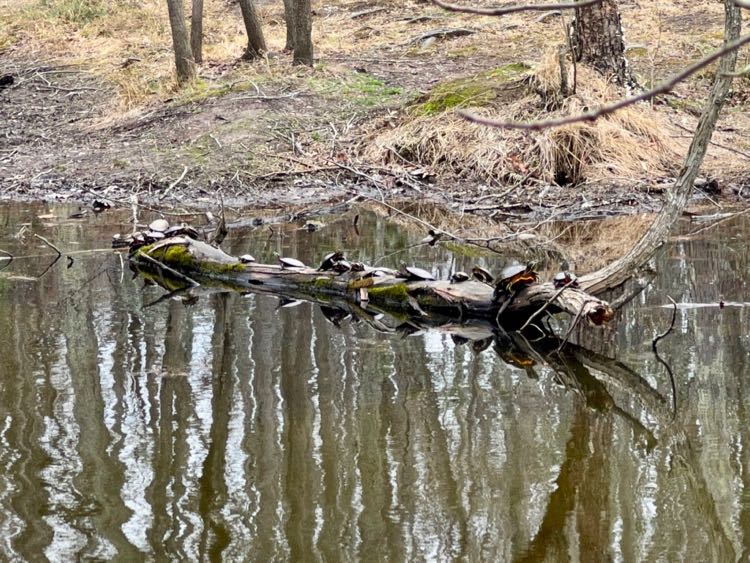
{"type": "Point", "coordinates": [663, 88]}
{"type": "Point", "coordinates": [513, 9]}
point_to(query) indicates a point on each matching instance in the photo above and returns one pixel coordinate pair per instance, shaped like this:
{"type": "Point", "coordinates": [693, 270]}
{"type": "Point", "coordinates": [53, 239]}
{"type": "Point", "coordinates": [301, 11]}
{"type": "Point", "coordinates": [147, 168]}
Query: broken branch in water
{"type": "Point", "coordinates": [671, 325]}
{"type": "Point", "coordinates": [546, 304]}
{"type": "Point", "coordinates": [48, 243]}
{"type": "Point", "coordinates": [166, 268]}
{"type": "Point", "coordinates": [663, 88]}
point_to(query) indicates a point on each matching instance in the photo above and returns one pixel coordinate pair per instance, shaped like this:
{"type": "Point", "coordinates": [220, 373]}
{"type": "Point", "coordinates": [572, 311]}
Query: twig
{"type": "Point", "coordinates": [546, 304]}
{"type": "Point", "coordinates": [8, 257]}
{"type": "Point", "coordinates": [172, 271]}
{"type": "Point", "coordinates": [573, 325]}
{"type": "Point", "coordinates": [718, 222]}
{"type": "Point", "coordinates": [514, 9]}
{"type": "Point", "coordinates": [665, 364]}
{"type": "Point", "coordinates": [671, 325]}
{"type": "Point", "coordinates": [663, 88]}
{"type": "Point", "coordinates": [714, 143]}
{"type": "Point", "coordinates": [173, 184]}
{"type": "Point", "coordinates": [48, 243]}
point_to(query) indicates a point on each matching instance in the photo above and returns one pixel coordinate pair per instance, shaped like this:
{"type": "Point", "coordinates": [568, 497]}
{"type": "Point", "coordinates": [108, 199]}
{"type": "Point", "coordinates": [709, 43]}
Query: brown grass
{"type": "Point", "coordinates": [630, 144]}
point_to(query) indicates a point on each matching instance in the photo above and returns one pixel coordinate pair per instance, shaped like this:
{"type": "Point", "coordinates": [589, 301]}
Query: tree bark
{"type": "Point", "coordinates": [256, 43]}
{"type": "Point", "coordinates": [289, 18]}
{"type": "Point", "coordinates": [303, 46]}
{"type": "Point", "coordinates": [183, 56]}
{"type": "Point", "coordinates": [196, 31]}
{"type": "Point", "coordinates": [618, 272]}
{"type": "Point", "coordinates": [597, 40]}
{"type": "Point", "coordinates": [426, 300]}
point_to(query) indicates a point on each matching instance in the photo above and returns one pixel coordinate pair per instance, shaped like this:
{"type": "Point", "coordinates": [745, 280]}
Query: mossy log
{"type": "Point", "coordinates": [204, 263]}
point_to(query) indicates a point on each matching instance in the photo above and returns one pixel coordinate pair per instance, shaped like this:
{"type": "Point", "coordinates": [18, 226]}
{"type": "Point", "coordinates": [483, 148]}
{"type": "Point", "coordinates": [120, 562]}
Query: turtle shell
{"type": "Point", "coordinates": [358, 267]}
{"type": "Point", "coordinates": [246, 258]}
{"type": "Point", "coordinates": [341, 266]}
{"type": "Point", "coordinates": [562, 279]}
{"type": "Point", "coordinates": [482, 275]}
{"type": "Point", "coordinates": [414, 273]}
{"type": "Point", "coordinates": [517, 276]}
{"type": "Point", "coordinates": [159, 225]}
{"type": "Point", "coordinates": [329, 260]}
{"type": "Point", "coordinates": [186, 230]}
{"type": "Point", "coordinates": [291, 263]}
{"type": "Point", "coordinates": [459, 277]}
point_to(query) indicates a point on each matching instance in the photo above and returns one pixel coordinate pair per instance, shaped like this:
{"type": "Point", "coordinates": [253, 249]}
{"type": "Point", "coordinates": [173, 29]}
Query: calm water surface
{"type": "Point", "coordinates": [232, 429]}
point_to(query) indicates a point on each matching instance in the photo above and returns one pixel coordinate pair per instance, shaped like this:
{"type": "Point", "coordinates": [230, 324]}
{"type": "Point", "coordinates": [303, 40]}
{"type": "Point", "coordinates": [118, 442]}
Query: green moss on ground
{"type": "Point", "coordinates": [473, 91]}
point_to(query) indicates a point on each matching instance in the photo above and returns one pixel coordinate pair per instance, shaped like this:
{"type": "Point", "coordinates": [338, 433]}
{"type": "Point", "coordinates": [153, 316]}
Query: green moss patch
{"type": "Point", "coordinates": [479, 90]}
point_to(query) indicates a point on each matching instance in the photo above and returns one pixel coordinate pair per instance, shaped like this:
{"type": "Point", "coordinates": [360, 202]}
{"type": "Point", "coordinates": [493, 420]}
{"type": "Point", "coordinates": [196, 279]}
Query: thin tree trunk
{"type": "Point", "coordinates": [616, 273]}
{"type": "Point", "coordinates": [289, 18]}
{"type": "Point", "coordinates": [196, 31]}
{"type": "Point", "coordinates": [183, 57]}
{"type": "Point", "coordinates": [597, 40]}
{"type": "Point", "coordinates": [256, 43]}
{"type": "Point", "coordinates": [303, 46]}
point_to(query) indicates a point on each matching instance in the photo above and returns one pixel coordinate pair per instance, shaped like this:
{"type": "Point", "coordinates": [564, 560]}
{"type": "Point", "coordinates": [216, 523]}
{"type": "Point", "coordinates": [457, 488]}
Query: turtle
{"type": "Point", "coordinates": [182, 230]}
{"type": "Point", "coordinates": [565, 278]}
{"type": "Point", "coordinates": [482, 275]}
{"type": "Point", "coordinates": [515, 277]}
{"type": "Point", "coordinates": [414, 273]}
{"type": "Point", "coordinates": [247, 258]}
{"type": "Point", "coordinates": [160, 225]}
{"type": "Point", "coordinates": [154, 235]}
{"type": "Point", "coordinates": [459, 277]}
{"type": "Point", "coordinates": [376, 273]}
{"type": "Point", "coordinates": [290, 263]}
{"type": "Point", "coordinates": [330, 259]}
{"type": "Point", "coordinates": [358, 267]}
{"type": "Point", "coordinates": [341, 266]}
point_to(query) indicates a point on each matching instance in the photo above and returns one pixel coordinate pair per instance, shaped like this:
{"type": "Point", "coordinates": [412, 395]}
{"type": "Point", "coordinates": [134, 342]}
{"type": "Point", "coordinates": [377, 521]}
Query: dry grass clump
{"type": "Point", "coordinates": [631, 144]}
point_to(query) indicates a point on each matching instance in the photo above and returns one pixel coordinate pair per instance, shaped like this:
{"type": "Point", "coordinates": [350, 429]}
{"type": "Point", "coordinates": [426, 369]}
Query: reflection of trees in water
{"type": "Point", "coordinates": [228, 428]}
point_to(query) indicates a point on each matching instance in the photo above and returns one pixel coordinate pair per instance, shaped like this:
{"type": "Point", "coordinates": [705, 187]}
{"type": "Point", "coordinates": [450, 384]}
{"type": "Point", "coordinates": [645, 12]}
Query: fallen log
{"type": "Point", "coordinates": [380, 288]}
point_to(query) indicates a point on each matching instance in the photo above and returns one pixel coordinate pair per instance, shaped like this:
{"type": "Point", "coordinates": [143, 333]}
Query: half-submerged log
{"type": "Point", "coordinates": [386, 291]}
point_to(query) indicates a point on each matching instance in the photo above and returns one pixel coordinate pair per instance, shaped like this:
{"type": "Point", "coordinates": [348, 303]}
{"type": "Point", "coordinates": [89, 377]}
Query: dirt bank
{"type": "Point", "coordinates": [271, 136]}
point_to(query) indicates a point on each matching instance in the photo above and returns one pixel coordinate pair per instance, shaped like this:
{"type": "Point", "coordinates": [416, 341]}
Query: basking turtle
{"type": "Point", "coordinates": [290, 262]}
{"type": "Point", "coordinates": [514, 278]}
{"type": "Point", "coordinates": [459, 277]}
{"type": "Point", "coordinates": [414, 273]}
{"type": "Point", "coordinates": [341, 266]}
{"type": "Point", "coordinates": [247, 258]}
{"type": "Point", "coordinates": [330, 259]}
{"type": "Point", "coordinates": [154, 235]}
{"type": "Point", "coordinates": [358, 267]}
{"type": "Point", "coordinates": [482, 275]}
{"type": "Point", "coordinates": [159, 225]}
{"type": "Point", "coordinates": [377, 273]}
{"type": "Point", "coordinates": [565, 278]}
{"type": "Point", "coordinates": [182, 230]}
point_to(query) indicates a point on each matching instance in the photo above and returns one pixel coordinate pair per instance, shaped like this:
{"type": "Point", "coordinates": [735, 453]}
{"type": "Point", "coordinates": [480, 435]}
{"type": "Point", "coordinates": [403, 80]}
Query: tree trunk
{"type": "Point", "coordinates": [256, 43]}
{"type": "Point", "coordinates": [303, 46]}
{"type": "Point", "coordinates": [597, 40]}
{"type": "Point", "coordinates": [196, 31]}
{"type": "Point", "coordinates": [289, 18]}
{"type": "Point", "coordinates": [183, 56]}
{"type": "Point", "coordinates": [618, 272]}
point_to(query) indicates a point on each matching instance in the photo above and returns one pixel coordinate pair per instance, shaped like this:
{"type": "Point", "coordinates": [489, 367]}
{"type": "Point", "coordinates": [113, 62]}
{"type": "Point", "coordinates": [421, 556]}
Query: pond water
{"type": "Point", "coordinates": [229, 428]}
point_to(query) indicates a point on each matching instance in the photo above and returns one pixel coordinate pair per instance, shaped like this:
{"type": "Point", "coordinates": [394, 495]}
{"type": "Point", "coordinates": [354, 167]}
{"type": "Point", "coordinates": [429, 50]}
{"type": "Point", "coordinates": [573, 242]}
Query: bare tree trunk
{"type": "Point", "coordinates": [196, 31]}
{"type": "Point", "coordinates": [621, 270]}
{"type": "Point", "coordinates": [183, 56]}
{"type": "Point", "coordinates": [597, 40]}
{"type": "Point", "coordinates": [256, 43]}
{"type": "Point", "coordinates": [303, 46]}
{"type": "Point", "coordinates": [289, 17]}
